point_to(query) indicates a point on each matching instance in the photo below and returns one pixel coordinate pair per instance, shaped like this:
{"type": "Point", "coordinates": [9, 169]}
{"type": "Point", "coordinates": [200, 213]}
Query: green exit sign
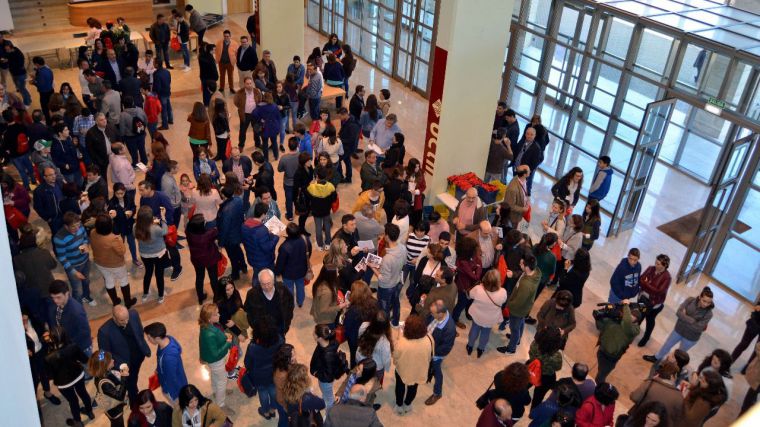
{"type": "Point", "coordinates": [717, 102]}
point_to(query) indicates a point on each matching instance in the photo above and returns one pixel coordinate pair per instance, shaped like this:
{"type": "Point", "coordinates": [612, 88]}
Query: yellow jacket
{"type": "Point", "coordinates": [363, 199]}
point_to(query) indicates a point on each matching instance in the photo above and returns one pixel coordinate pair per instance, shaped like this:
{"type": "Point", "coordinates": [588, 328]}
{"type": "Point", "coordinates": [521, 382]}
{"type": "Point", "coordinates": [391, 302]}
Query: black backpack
{"type": "Point", "coordinates": [138, 126]}
{"type": "Point", "coordinates": [341, 364]}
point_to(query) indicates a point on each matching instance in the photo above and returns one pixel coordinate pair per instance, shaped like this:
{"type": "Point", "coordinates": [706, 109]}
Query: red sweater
{"type": "Point", "coordinates": [591, 414]}
{"type": "Point", "coordinates": [656, 285]}
{"type": "Point", "coordinates": [468, 273]}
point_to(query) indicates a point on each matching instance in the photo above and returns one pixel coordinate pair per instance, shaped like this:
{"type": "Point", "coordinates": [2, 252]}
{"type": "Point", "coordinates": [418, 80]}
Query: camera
{"type": "Point", "coordinates": [615, 311]}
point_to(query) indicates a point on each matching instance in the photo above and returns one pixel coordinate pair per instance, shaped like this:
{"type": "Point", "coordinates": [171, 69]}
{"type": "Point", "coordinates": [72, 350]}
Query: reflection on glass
{"type": "Point", "coordinates": [735, 163]}
{"type": "Point", "coordinates": [734, 268]}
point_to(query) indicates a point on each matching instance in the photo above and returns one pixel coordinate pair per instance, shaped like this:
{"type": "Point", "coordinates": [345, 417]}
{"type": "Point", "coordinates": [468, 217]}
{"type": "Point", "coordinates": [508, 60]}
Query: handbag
{"type": "Point", "coordinates": [221, 266]}
{"type": "Point", "coordinates": [485, 398]}
{"type": "Point", "coordinates": [175, 44]}
{"type": "Point", "coordinates": [153, 383]}
{"type": "Point", "coordinates": [534, 372]}
{"type": "Point", "coordinates": [171, 236]}
{"type": "Point", "coordinates": [526, 214]}
{"type": "Point", "coordinates": [227, 421]}
{"type": "Point", "coordinates": [14, 217]}
{"type": "Point", "coordinates": [340, 334]}
{"type": "Point", "coordinates": [335, 204]}
{"type": "Point", "coordinates": [430, 365]}
{"type": "Point", "coordinates": [232, 358]}
{"type": "Point", "coordinates": [313, 419]}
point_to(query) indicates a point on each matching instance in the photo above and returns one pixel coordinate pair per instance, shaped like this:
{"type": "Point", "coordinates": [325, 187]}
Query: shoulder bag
{"type": "Point", "coordinates": [484, 398]}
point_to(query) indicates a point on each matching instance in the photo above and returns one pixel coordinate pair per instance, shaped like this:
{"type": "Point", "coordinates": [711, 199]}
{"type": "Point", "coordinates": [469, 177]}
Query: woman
{"type": "Point", "coordinates": [384, 103]}
{"type": "Point", "coordinates": [108, 254]}
{"type": "Point", "coordinates": [430, 263]}
{"type": "Point", "coordinates": [293, 261]}
{"type": "Point", "coordinates": [546, 348]}
{"type": "Point", "coordinates": [370, 116]}
{"type": "Point", "coordinates": [56, 105]}
{"type": "Point", "coordinates": [150, 232]}
{"type": "Point", "coordinates": [556, 221]}
{"type": "Point", "coordinates": [284, 358]}
{"type": "Point", "coordinates": [206, 200]}
{"type": "Point", "coordinates": [124, 219]}
{"type": "Point", "coordinates": [719, 361]}
{"type": "Point", "coordinates": [301, 180]}
{"type": "Point", "coordinates": [557, 312]}
{"type": "Point", "coordinates": [269, 114]}
{"type": "Point", "coordinates": [231, 313]}
{"type": "Point", "coordinates": [326, 364]}
{"type": "Point", "coordinates": [148, 412]}
{"type": "Point", "coordinates": [592, 222]}
{"type": "Point", "coordinates": [282, 101]}
{"type": "Point", "coordinates": [415, 181]}
{"type": "Point", "coordinates": [349, 64]}
{"type": "Point", "coordinates": [93, 32]}
{"type": "Point", "coordinates": [546, 260]}
{"type": "Point", "coordinates": [64, 362]}
{"type": "Point", "coordinates": [99, 58]}
{"type": "Point", "coordinates": [578, 271]}
{"type": "Point", "coordinates": [324, 162]}
{"type": "Point", "coordinates": [261, 78]}
{"type": "Point", "coordinates": [259, 365]}
{"type": "Point", "coordinates": [487, 299]}
{"type": "Point", "coordinates": [375, 342]}
{"type": "Point", "coordinates": [70, 100]}
{"type": "Point", "coordinates": [325, 306]}
{"type": "Point", "coordinates": [401, 219]}
{"type": "Point", "coordinates": [200, 128]}
{"type": "Point", "coordinates": [291, 89]}
{"type": "Point", "coordinates": [196, 411]}
{"type": "Point", "coordinates": [411, 356]}
{"type": "Point", "coordinates": [707, 395]}
{"type": "Point", "coordinates": [598, 410]}
{"type": "Point", "coordinates": [209, 73]}
{"type": "Point", "coordinates": [752, 376]}
{"type": "Point", "coordinates": [395, 189]}
{"type": "Point", "coordinates": [331, 144]}
{"type": "Point", "coordinates": [512, 384]}
{"type": "Point", "coordinates": [650, 414]}
{"type": "Point", "coordinates": [203, 164]}
{"type": "Point", "coordinates": [204, 254]}
{"type": "Point", "coordinates": [362, 307]}
{"type": "Point", "coordinates": [111, 383]}
{"type": "Point", "coordinates": [568, 188]}
{"type": "Point", "coordinates": [333, 46]}
{"type": "Point", "coordinates": [569, 241]}
{"type": "Point", "coordinates": [15, 194]}
{"type": "Point", "coordinates": [159, 165]}
{"type": "Point", "coordinates": [214, 346]}
{"type": "Point", "coordinates": [654, 283]}
{"type": "Point", "coordinates": [317, 127]}
{"type": "Point", "coordinates": [315, 57]}
{"type": "Point", "coordinates": [469, 269]}
{"type": "Point", "coordinates": [220, 120]}
{"type": "Point", "coordinates": [333, 75]}
{"type": "Point", "coordinates": [301, 404]}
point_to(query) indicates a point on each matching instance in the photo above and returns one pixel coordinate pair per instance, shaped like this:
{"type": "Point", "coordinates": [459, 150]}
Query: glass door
{"type": "Point", "coordinates": [643, 160]}
{"type": "Point", "coordinates": [715, 212]}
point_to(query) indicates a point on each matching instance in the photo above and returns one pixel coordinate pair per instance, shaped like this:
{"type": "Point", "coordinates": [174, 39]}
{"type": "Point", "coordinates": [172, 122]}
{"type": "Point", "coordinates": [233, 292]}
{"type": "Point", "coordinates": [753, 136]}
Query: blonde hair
{"type": "Point", "coordinates": [296, 383]}
{"type": "Point", "coordinates": [208, 310]}
{"type": "Point", "coordinates": [492, 281]}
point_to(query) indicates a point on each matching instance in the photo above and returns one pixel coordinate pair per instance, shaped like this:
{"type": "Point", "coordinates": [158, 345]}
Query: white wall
{"type": "Point", "coordinates": [282, 25]}
{"type": "Point", "coordinates": [209, 6]}
{"type": "Point", "coordinates": [6, 20]}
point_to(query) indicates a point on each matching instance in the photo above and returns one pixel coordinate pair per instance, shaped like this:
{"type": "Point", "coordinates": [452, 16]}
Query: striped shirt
{"type": "Point", "coordinates": [67, 248]}
{"type": "Point", "coordinates": [414, 247]}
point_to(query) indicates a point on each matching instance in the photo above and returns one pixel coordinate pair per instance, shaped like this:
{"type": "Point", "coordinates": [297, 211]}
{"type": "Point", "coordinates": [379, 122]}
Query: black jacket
{"type": "Point", "coordinates": [245, 163]}
{"type": "Point", "coordinates": [356, 106]}
{"type": "Point", "coordinates": [163, 416]}
{"type": "Point", "coordinates": [16, 63]}
{"type": "Point", "coordinates": [11, 137]}
{"type": "Point", "coordinates": [394, 156]}
{"type": "Point", "coordinates": [113, 387]}
{"type": "Point", "coordinates": [207, 64]}
{"type": "Point", "coordinates": [96, 144]}
{"type": "Point", "coordinates": [395, 189]}
{"type": "Point", "coordinates": [301, 181]}
{"type": "Point", "coordinates": [99, 189]}
{"type": "Point", "coordinates": [248, 61]}
{"type": "Point", "coordinates": [65, 365]}
{"type": "Point", "coordinates": [349, 135]}
{"type": "Point", "coordinates": [255, 309]}
{"type": "Point", "coordinates": [573, 281]}
{"type": "Point", "coordinates": [122, 226]}
{"type": "Point", "coordinates": [324, 362]}
{"type": "Point", "coordinates": [531, 157]}
{"type": "Point", "coordinates": [131, 86]}
{"type": "Point", "coordinates": [129, 55]}
{"type": "Point", "coordinates": [111, 339]}
{"type": "Point", "coordinates": [110, 75]}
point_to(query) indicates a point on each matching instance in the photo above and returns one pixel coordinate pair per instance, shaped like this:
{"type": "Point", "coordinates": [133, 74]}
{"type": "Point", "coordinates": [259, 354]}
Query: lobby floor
{"type": "Point", "coordinates": [671, 195]}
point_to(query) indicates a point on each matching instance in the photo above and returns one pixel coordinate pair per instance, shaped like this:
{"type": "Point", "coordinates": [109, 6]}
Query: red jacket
{"type": "Point", "coordinates": [468, 273]}
{"type": "Point", "coordinates": [488, 418]}
{"type": "Point", "coordinates": [152, 108]}
{"type": "Point", "coordinates": [203, 249]}
{"type": "Point", "coordinates": [591, 414]}
{"type": "Point", "coordinates": [656, 285]}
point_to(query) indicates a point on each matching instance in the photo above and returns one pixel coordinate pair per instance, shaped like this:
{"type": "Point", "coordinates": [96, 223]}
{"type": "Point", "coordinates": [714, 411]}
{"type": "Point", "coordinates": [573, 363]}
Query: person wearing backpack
{"type": "Point", "coordinates": [132, 125]}
{"type": "Point", "coordinates": [327, 362]}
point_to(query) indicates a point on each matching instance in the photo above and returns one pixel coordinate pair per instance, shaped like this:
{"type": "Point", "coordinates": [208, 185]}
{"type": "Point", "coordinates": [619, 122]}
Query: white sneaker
{"type": "Point", "coordinates": [399, 410]}
{"type": "Point", "coordinates": [327, 248]}
{"type": "Point", "coordinates": [407, 408]}
{"type": "Point", "coordinates": [186, 69]}
{"type": "Point", "coordinates": [160, 300]}
{"type": "Point", "coordinates": [90, 302]}
{"type": "Point", "coordinates": [145, 297]}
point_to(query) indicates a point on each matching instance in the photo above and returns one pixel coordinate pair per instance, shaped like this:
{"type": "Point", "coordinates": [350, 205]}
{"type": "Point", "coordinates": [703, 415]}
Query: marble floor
{"type": "Point", "coordinates": [671, 195]}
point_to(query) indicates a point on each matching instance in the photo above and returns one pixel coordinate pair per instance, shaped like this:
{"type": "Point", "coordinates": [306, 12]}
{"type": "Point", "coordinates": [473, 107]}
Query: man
{"type": "Point", "coordinates": [367, 224]}
{"type": "Point", "coordinates": [578, 377]}
{"type": "Point", "coordinates": [356, 105]}
{"type": "Point", "coordinates": [246, 100]}
{"type": "Point", "coordinates": [267, 299]}
{"type": "Point", "coordinates": [297, 70]}
{"type": "Point", "coordinates": [16, 146]}
{"type": "Point", "coordinates": [288, 165]}
{"type": "Point", "coordinates": [527, 152]}
{"type": "Point", "coordinates": [70, 243]}
{"type": "Point", "coordinates": [498, 413]}
{"type": "Point", "coordinates": [147, 65]}
{"type": "Point", "coordinates": [161, 35]}
{"type": "Point", "coordinates": [169, 367]}
{"type": "Point", "coordinates": [209, 74]}
{"type": "Point", "coordinates": [267, 62]}
{"type": "Point", "coordinates": [229, 222]}
{"type": "Point", "coordinates": [132, 125]}
{"type": "Point", "coordinates": [513, 128]}
{"type": "Point", "coordinates": [500, 119]}
{"type": "Point", "coordinates": [313, 91]}
{"type": "Point", "coordinates": [95, 87]}
{"type": "Point", "coordinates": [157, 200]}
{"type": "Point", "coordinates": [225, 57]}
{"type": "Point", "coordinates": [499, 154]}
{"type": "Point", "coordinates": [37, 350]}
{"type": "Point", "coordinates": [470, 212]}
{"type": "Point", "coordinates": [370, 171]}
{"type": "Point", "coordinates": [84, 84]}
{"type": "Point", "coordinates": [250, 27]}
{"type": "Point", "coordinates": [127, 52]}
{"type": "Point", "coordinates": [264, 175]}
{"type": "Point", "coordinates": [162, 86]}
{"type": "Point", "coordinates": [152, 109]}
{"type": "Point", "coordinates": [322, 195]}
{"type": "Point", "coordinates": [614, 339]}
{"type": "Point", "coordinates": [693, 316]}
{"type": "Point", "coordinates": [96, 185]}
{"type": "Point", "coordinates": [110, 104]}
{"type": "Point", "coordinates": [245, 59]}
{"type": "Point", "coordinates": [353, 412]}
{"type": "Point", "coordinates": [349, 135]}
{"type": "Point", "coordinates": [557, 312]}
{"type": "Point", "coordinates": [489, 244]}
{"type": "Point", "coordinates": [183, 36]}
{"type": "Point", "coordinates": [600, 186]}
{"type": "Point", "coordinates": [389, 274]}
{"type": "Point", "coordinates": [624, 282]}
{"type": "Point", "coordinates": [17, 70]}
{"type": "Point", "coordinates": [47, 198]}
{"type": "Point", "coordinates": [264, 195]}
{"type": "Point", "coordinates": [113, 69]}
{"type": "Point", "coordinates": [441, 327]}
{"type": "Point", "coordinates": [197, 23]}
{"type": "Point", "coordinates": [69, 314]}
{"type": "Point", "coordinates": [99, 139]}
{"type": "Point", "coordinates": [383, 132]}
{"type": "Point", "coordinates": [520, 301]}
{"type": "Point", "coordinates": [64, 154]}
{"type": "Point", "coordinates": [258, 241]}
{"type": "Point", "coordinates": [130, 86]}
{"type": "Point", "coordinates": [242, 166]}
{"type": "Point", "coordinates": [43, 80]}
{"type": "Point", "coordinates": [516, 195]}
{"type": "Point", "coordinates": [122, 336]}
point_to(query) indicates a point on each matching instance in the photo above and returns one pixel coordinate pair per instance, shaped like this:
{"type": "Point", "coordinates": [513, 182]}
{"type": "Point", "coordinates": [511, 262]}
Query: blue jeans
{"type": "Point", "coordinates": [185, 55]}
{"type": "Point", "coordinates": [313, 108]}
{"type": "Point", "coordinates": [438, 375]}
{"type": "Point", "coordinates": [516, 325]}
{"type": "Point", "coordinates": [167, 117]}
{"type": "Point", "coordinates": [323, 224]}
{"type": "Point", "coordinates": [288, 201]}
{"type": "Point", "coordinates": [479, 331]}
{"type": "Point", "coordinates": [673, 339]}
{"type": "Point", "coordinates": [327, 394]}
{"type": "Point", "coordinates": [80, 288]}
{"type": "Point", "coordinates": [130, 238]}
{"type": "Point", "coordinates": [25, 169]}
{"type": "Point", "coordinates": [283, 127]}
{"type": "Point", "coordinates": [388, 299]}
{"type": "Point", "coordinates": [293, 114]}
{"type": "Point", "coordinates": [267, 397]}
{"type": "Point", "coordinates": [296, 288]}
{"type": "Point", "coordinates": [20, 82]}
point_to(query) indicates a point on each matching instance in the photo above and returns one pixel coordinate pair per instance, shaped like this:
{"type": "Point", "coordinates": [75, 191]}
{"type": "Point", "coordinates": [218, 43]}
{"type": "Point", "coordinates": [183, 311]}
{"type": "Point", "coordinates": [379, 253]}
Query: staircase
{"type": "Point", "coordinates": [31, 15]}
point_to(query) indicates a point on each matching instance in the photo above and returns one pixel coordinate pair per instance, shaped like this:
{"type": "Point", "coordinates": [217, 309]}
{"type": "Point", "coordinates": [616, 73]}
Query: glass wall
{"type": "Point", "coordinates": [394, 35]}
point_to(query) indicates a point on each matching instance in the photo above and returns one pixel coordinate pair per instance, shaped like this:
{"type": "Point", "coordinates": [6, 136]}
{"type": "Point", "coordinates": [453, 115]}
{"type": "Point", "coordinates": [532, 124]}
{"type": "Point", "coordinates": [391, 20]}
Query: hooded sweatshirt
{"type": "Point", "coordinates": [171, 372]}
{"type": "Point", "coordinates": [259, 244]}
{"type": "Point", "coordinates": [625, 279]}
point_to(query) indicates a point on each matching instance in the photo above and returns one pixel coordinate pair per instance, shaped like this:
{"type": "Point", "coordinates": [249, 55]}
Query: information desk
{"type": "Point", "coordinates": [130, 10]}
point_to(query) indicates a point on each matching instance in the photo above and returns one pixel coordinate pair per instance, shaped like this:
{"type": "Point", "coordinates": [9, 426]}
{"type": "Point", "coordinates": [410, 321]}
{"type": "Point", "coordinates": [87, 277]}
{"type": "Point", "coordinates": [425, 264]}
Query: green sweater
{"type": "Point", "coordinates": [550, 363]}
{"type": "Point", "coordinates": [213, 343]}
{"type": "Point", "coordinates": [546, 263]}
{"type": "Point", "coordinates": [615, 336]}
{"type": "Point", "coordinates": [521, 301]}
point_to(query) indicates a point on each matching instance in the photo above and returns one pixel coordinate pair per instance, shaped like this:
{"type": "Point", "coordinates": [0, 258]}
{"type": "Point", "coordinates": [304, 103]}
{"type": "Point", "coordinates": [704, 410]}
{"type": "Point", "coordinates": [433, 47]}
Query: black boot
{"type": "Point", "coordinates": [128, 300]}
{"type": "Point", "coordinates": [114, 298]}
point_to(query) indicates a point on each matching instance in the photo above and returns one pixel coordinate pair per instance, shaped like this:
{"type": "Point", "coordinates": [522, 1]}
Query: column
{"type": "Point", "coordinates": [467, 68]}
{"type": "Point", "coordinates": [17, 392]}
{"type": "Point", "coordinates": [281, 24]}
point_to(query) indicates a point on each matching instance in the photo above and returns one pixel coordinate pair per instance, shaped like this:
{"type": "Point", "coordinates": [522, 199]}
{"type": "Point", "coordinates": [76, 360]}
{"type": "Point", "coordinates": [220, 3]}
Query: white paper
{"type": "Point", "coordinates": [275, 226]}
{"type": "Point", "coordinates": [374, 260]}
{"type": "Point", "coordinates": [361, 265]}
{"type": "Point", "coordinates": [374, 147]}
{"type": "Point", "coordinates": [142, 167]}
{"type": "Point", "coordinates": [500, 232]}
{"type": "Point", "coordinates": [366, 244]}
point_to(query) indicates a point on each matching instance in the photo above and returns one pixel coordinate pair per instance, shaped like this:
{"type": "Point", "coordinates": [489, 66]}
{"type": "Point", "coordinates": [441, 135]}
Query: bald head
{"type": "Point", "coordinates": [502, 409]}
{"type": "Point", "coordinates": [121, 315]}
{"type": "Point", "coordinates": [438, 309]}
{"type": "Point", "coordinates": [358, 392]}
{"type": "Point", "coordinates": [485, 227]}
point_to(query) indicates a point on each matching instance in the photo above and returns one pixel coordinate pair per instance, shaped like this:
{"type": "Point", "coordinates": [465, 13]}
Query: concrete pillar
{"type": "Point", "coordinates": [282, 25]}
{"type": "Point", "coordinates": [467, 74]}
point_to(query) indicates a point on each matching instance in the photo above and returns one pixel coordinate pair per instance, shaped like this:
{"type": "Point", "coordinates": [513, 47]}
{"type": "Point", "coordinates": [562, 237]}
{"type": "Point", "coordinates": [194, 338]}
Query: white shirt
{"type": "Point", "coordinates": [34, 337]}
{"type": "Point", "coordinates": [84, 84]}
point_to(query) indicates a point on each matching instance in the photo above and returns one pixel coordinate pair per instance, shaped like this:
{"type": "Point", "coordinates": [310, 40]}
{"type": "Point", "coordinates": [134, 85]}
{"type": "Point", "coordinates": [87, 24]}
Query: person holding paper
{"type": "Point", "coordinates": [373, 197]}
{"type": "Point", "coordinates": [258, 242]}
{"type": "Point", "coordinates": [389, 274]}
{"type": "Point", "coordinates": [264, 195]}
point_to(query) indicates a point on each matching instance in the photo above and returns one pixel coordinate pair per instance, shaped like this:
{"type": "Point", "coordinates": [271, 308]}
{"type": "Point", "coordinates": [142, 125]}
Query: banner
{"type": "Point", "coordinates": [434, 110]}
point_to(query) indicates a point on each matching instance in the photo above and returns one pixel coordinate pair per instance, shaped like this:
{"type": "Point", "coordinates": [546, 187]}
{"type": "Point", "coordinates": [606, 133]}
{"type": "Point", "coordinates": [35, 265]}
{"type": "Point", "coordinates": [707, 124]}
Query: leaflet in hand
{"type": "Point", "coordinates": [361, 265]}
{"type": "Point", "coordinates": [374, 147]}
{"type": "Point", "coordinates": [366, 244]}
{"type": "Point", "coordinates": [142, 167]}
{"type": "Point", "coordinates": [500, 232]}
{"type": "Point", "coordinates": [275, 226]}
{"type": "Point", "coordinates": [374, 260]}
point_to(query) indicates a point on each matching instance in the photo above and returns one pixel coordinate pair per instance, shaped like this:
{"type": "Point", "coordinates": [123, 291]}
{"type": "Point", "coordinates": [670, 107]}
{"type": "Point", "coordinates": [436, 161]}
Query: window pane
{"type": "Point", "coordinates": [699, 155]}
{"type": "Point", "coordinates": [715, 75]}
{"type": "Point", "coordinates": [327, 21]}
{"type": "Point", "coordinates": [616, 185]}
{"type": "Point", "coordinates": [588, 137]}
{"type": "Point", "coordinates": [428, 12]}
{"type": "Point", "coordinates": [551, 156]}
{"type": "Point", "coordinates": [424, 41]}
{"type": "Point", "coordinates": [653, 53]}
{"type": "Point", "coordinates": [402, 65]}
{"type": "Point", "coordinates": [312, 15]}
{"type": "Point", "coordinates": [618, 40]}
{"type": "Point", "coordinates": [737, 86]}
{"type": "Point", "coordinates": [384, 55]}
{"type": "Point", "coordinates": [670, 144]}
{"type": "Point", "coordinates": [421, 76]}
{"type": "Point", "coordinates": [526, 83]}
{"type": "Point", "coordinates": [748, 215]}
{"type": "Point", "coordinates": [555, 119]}
{"type": "Point", "coordinates": [567, 24]}
{"type": "Point", "coordinates": [353, 37]}
{"type": "Point", "coordinates": [620, 153]}
{"type": "Point", "coordinates": [693, 61]}
{"type": "Point", "coordinates": [538, 14]}
{"type": "Point", "coordinates": [734, 268]}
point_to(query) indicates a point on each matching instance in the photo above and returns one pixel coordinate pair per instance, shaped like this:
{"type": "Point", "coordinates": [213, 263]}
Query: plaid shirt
{"type": "Point", "coordinates": [82, 124]}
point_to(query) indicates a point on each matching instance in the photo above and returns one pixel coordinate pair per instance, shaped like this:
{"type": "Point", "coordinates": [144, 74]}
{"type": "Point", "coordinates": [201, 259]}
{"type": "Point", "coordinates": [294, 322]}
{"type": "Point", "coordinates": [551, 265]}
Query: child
{"type": "Point", "coordinates": [186, 187]}
{"type": "Point", "coordinates": [602, 179]}
{"type": "Point", "coordinates": [385, 101]}
{"type": "Point", "coordinates": [152, 109]}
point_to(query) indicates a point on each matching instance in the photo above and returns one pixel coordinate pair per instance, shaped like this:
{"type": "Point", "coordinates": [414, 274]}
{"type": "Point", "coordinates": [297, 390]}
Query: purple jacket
{"type": "Point", "coordinates": [271, 117]}
{"type": "Point", "coordinates": [203, 249]}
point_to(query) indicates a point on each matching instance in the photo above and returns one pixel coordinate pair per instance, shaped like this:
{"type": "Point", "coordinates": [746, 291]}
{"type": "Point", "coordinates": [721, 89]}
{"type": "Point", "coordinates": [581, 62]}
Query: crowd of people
{"type": "Point", "coordinates": [81, 162]}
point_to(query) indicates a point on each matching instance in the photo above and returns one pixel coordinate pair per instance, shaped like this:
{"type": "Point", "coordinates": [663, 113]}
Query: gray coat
{"type": "Point", "coordinates": [126, 118]}
{"type": "Point", "coordinates": [111, 107]}
{"type": "Point", "coordinates": [692, 319]}
{"type": "Point", "coordinates": [196, 21]}
{"type": "Point", "coordinates": [352, 414]}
